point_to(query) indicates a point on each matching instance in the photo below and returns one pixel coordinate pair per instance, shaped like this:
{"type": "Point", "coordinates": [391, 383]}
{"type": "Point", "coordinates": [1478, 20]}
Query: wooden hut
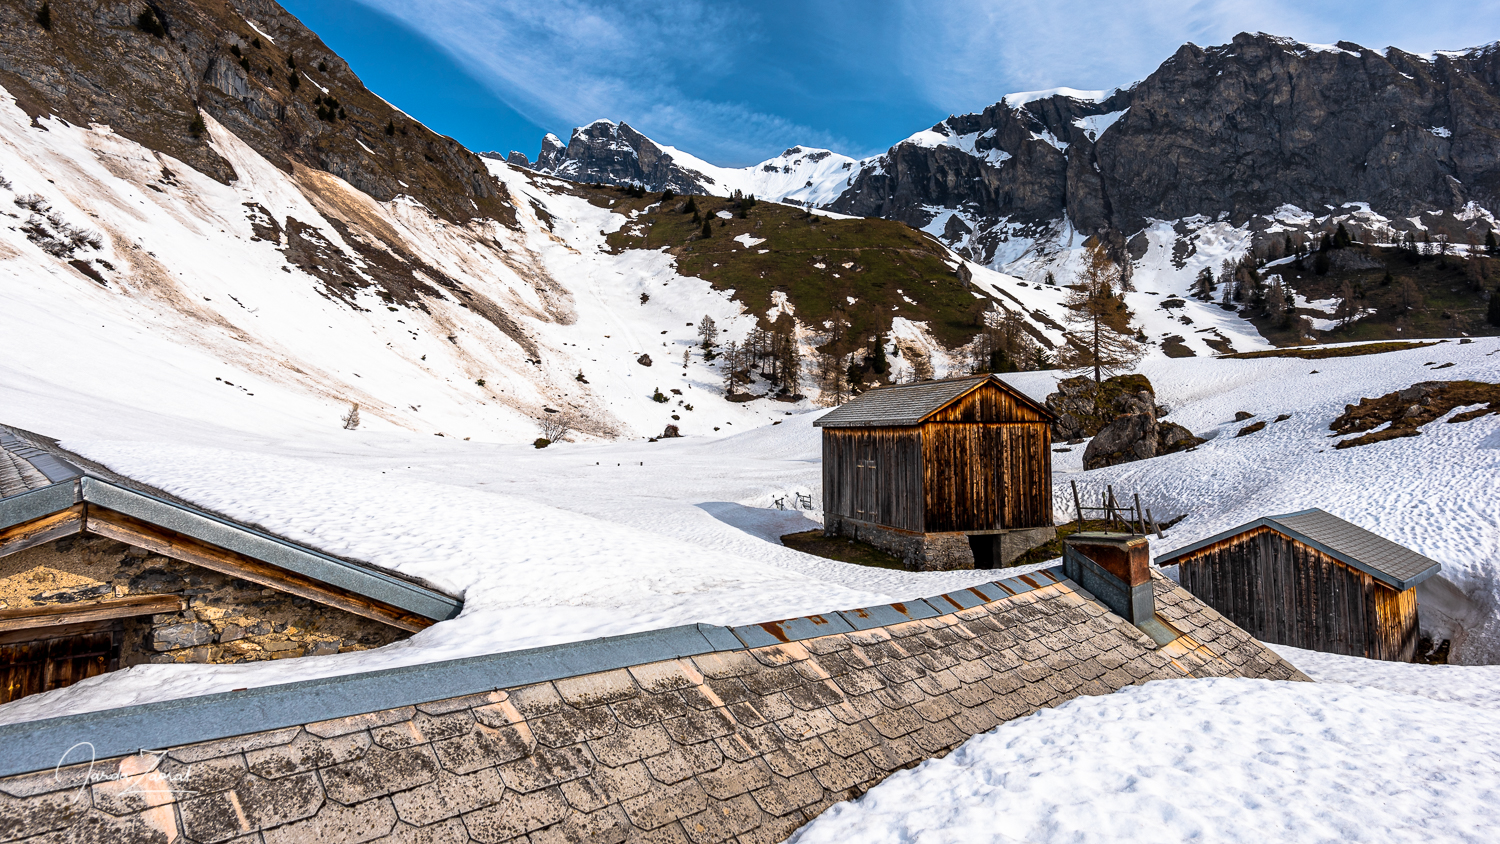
{"type": "Point", "coordinates": [99, 572]}
{"type": "Point", "coordinates": [944, 474]}
{"type": "Point", "coordinates": [1311, 580]}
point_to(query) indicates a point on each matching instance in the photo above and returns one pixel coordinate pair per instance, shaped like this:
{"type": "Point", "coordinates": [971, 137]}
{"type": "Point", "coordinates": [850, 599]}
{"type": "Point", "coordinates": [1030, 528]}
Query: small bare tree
{"type": "Point", "coordinates": [351, 419]}
{"type": "Point", "coordinates": [554, 426]}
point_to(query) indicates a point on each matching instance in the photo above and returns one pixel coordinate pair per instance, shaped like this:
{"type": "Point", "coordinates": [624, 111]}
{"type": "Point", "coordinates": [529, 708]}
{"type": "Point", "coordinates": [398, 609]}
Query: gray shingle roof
{"type": "Point", "coordinates": [1394, 565]}
{"type": "Point", "coordinates": [905, 404]}
{"type": "Point", "coordinates": [24, 467]}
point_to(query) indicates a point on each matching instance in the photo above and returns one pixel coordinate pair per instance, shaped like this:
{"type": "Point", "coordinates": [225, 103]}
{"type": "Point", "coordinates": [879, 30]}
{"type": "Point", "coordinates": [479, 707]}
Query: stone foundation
{"type": "Point", "coordinates": [742, 744]}
{"type": "Point", "coordinates": [224, 620]}
{"type": "Point", "coordinates": [938, 551]}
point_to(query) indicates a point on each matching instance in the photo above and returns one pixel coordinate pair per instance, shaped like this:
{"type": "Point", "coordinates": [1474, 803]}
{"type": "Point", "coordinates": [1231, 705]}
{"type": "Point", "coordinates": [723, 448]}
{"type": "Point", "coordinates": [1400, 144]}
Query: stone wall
{"type": "Point", "coordinates": [740, 745]}
{"type": "Point", "coordinates": [935, 551]}
{"type": "Point", "coordinates": [225, 619]}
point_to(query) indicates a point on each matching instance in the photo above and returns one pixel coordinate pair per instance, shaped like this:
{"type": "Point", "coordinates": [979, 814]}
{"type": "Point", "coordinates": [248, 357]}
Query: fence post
{"type": "Point", "coordinates": [1078, 505]}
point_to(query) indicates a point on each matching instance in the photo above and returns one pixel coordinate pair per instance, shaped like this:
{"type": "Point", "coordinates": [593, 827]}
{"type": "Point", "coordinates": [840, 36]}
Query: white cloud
{"type": "Point", "coordinates": [573, 61]}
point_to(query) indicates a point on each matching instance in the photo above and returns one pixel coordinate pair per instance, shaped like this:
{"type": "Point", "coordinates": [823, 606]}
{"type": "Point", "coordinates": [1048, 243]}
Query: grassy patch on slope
{"type": "Point", "coordinates": [1452, 302]}
{"type": "Point", "coordinates": [886, 267]}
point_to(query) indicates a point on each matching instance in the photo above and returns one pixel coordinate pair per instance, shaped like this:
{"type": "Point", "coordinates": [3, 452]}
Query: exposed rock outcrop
{"type": "Point", "coordinates": [1122, 416]}
{"type": "Point", "coordinates": [1084, 407]}
{"type": "Point", "coordinates": [274, 84]}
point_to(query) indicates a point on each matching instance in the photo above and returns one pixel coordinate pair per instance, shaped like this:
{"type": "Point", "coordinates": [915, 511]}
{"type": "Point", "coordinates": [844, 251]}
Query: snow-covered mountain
{"type": "Point", "coordinates": [616, 154]}
{"type": "Point", "coordinates": [1270, 135]}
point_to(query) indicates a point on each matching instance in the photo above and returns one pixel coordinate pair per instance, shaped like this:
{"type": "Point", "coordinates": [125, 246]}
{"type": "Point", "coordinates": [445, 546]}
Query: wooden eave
{"type": "Point", "coordinates": [1021, 398]}
{"type": "Point", "coordinates": [1269, 523]}
{"type": "Point", "coordinates": [92, 506]}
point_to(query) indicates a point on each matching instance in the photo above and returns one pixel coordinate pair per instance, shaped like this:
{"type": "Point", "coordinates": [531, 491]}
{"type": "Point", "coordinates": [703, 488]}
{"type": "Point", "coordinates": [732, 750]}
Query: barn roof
{"type": "Point", "coordinates": [908, 404]}
{"type": "Point", "coordinates": [1395, 565]}
{"type": "Point", "coordinates": [39, 479]}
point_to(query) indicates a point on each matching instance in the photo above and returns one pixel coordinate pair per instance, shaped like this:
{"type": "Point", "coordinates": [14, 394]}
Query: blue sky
{"type": "Point", "coordinates": [736, 82]}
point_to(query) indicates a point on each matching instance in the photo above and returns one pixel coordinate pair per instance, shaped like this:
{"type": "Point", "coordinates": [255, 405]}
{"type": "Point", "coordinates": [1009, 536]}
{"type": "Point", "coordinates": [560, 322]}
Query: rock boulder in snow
{"type": "Point", "coordinates": [1083, 407]}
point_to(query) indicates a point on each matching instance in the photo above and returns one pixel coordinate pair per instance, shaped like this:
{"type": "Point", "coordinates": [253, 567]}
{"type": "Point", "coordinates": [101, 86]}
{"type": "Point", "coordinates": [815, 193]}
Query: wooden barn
{"type": "Point", "coordinates": [1311, 580]}
{"type": "Point", "coordinates": [944, 474]}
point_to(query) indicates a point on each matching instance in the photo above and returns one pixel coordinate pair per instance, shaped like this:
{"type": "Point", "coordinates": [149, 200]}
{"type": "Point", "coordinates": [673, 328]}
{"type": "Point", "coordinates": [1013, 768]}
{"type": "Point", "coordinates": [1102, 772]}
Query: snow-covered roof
{"type": "Point", "coordinates": [39, 479]}
{"type": "Point", "coordinates": [909, 404]}
{"type": "Point", "coordinates": [1394, 565]}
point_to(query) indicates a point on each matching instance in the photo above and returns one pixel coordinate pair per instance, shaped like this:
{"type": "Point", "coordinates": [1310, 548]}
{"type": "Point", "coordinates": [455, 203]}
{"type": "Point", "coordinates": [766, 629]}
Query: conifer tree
{"type": "Point", "coordinates": [44, 17]}
{"type": "Point", "coordinates": [1341, 238]}
{"type": "Point", "coordinates": [1203, 288]}
{"type": "Point", "coordinates": [1491, 245]}
{"type": "Point", "coordinates": [691, 207]}
{"type": "Point", "coordinates": [878, 362]}
{"type": "Point", "coordinates": [708, 228]}
{"type": "Point", "coordinates": [708, 332]}
{"type": "Point", "coordinates": [1103, 343]}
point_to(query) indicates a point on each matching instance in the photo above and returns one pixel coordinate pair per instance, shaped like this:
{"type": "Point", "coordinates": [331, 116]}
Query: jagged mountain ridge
{"type": "Point", "coordinates": [1233, 133]}
{"type": "Point", "coordinates": [612, 153]}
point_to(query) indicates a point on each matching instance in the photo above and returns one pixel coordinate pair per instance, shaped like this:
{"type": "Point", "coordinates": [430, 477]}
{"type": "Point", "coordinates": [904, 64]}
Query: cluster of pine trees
{"type": "Point", "coordinates": [773, 354]}
{"type": "Point", "coordinates": [1004, 345]}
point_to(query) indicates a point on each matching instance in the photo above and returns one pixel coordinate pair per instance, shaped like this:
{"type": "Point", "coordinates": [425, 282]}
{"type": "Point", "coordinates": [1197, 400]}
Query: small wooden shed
{"type": "Point", "coordinates": [1311, 580]}
{"type": "Point", "coordinates": [945, 474]}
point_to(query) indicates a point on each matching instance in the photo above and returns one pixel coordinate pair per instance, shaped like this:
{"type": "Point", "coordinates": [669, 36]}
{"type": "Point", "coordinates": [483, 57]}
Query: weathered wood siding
{"type": "Point", "coordinates": [987, 476]}
{"type": "Point", "coordinates": [43, 659]}
{"type": "Point", "coordinates": [987, 403]}
{"type": "Point", "coordinates": [1282, 591]}
{"type": "Point", "coordinates": [874, 475]}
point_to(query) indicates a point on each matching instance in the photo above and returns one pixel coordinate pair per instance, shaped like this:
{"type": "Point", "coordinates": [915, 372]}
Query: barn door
{"type": "Point", "coordinates": [46, 658]}
{"type": "Point", "coordinates": [866, 497]}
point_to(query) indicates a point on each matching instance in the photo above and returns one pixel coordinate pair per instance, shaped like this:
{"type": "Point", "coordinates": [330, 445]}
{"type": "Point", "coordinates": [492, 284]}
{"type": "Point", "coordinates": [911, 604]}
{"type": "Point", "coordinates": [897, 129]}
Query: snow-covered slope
{"type": "Point", "coordinates": [800, 175]}
{"type": "Point", "coordinates": [289, 296]}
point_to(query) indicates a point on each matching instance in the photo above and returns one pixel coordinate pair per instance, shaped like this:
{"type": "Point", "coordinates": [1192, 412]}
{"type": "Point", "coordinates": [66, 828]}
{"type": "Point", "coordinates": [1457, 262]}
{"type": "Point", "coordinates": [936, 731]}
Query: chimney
{"type": "Point", "coordinates": [1115, 568]}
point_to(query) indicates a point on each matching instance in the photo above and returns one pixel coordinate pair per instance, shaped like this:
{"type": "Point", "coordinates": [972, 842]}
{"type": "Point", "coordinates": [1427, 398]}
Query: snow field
{"type": "Point", "coordinates": [1223, 760]}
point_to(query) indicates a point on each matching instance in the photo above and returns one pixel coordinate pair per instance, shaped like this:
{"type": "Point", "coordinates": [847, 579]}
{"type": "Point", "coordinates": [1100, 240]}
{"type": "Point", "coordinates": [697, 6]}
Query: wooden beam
{"type": "Point", "coordinates": [41, 530]}
{"type": "Point", "coordinates": [53, 615]}
{"type": "Point", "coordinates": [119, 526]}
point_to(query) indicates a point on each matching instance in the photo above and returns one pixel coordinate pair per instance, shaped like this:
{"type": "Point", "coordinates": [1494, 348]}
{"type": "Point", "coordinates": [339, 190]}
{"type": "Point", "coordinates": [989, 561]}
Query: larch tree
{"type": "Point", "coordinates": [1102, 341]}
{"type": "Point", "coordinates": [708, 332]}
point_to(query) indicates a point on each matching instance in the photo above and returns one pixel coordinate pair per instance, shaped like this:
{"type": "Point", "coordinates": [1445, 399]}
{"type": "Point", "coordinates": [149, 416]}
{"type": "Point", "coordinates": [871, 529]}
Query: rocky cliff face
{"type": "Point", "coordinates": [1231, 133]}
{"type": "Point", "coordinates": [252, 67]}
{"type": "Point", "coordinates": [1242, 129]}
{"type": "Point", "coordinates": [616, 154]}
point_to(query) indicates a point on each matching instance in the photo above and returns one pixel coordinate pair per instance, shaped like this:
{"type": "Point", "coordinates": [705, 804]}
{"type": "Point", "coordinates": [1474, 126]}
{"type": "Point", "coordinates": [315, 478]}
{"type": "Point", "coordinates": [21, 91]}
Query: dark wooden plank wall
{"type": "Point", "coordinates": [43, 659]}
{"type": "Point", "coordinates": [874, 475]}
{"type": "Point", "coordinates": [987, 476]}
{"type": "Point", "coordinates": [1282, 591]}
